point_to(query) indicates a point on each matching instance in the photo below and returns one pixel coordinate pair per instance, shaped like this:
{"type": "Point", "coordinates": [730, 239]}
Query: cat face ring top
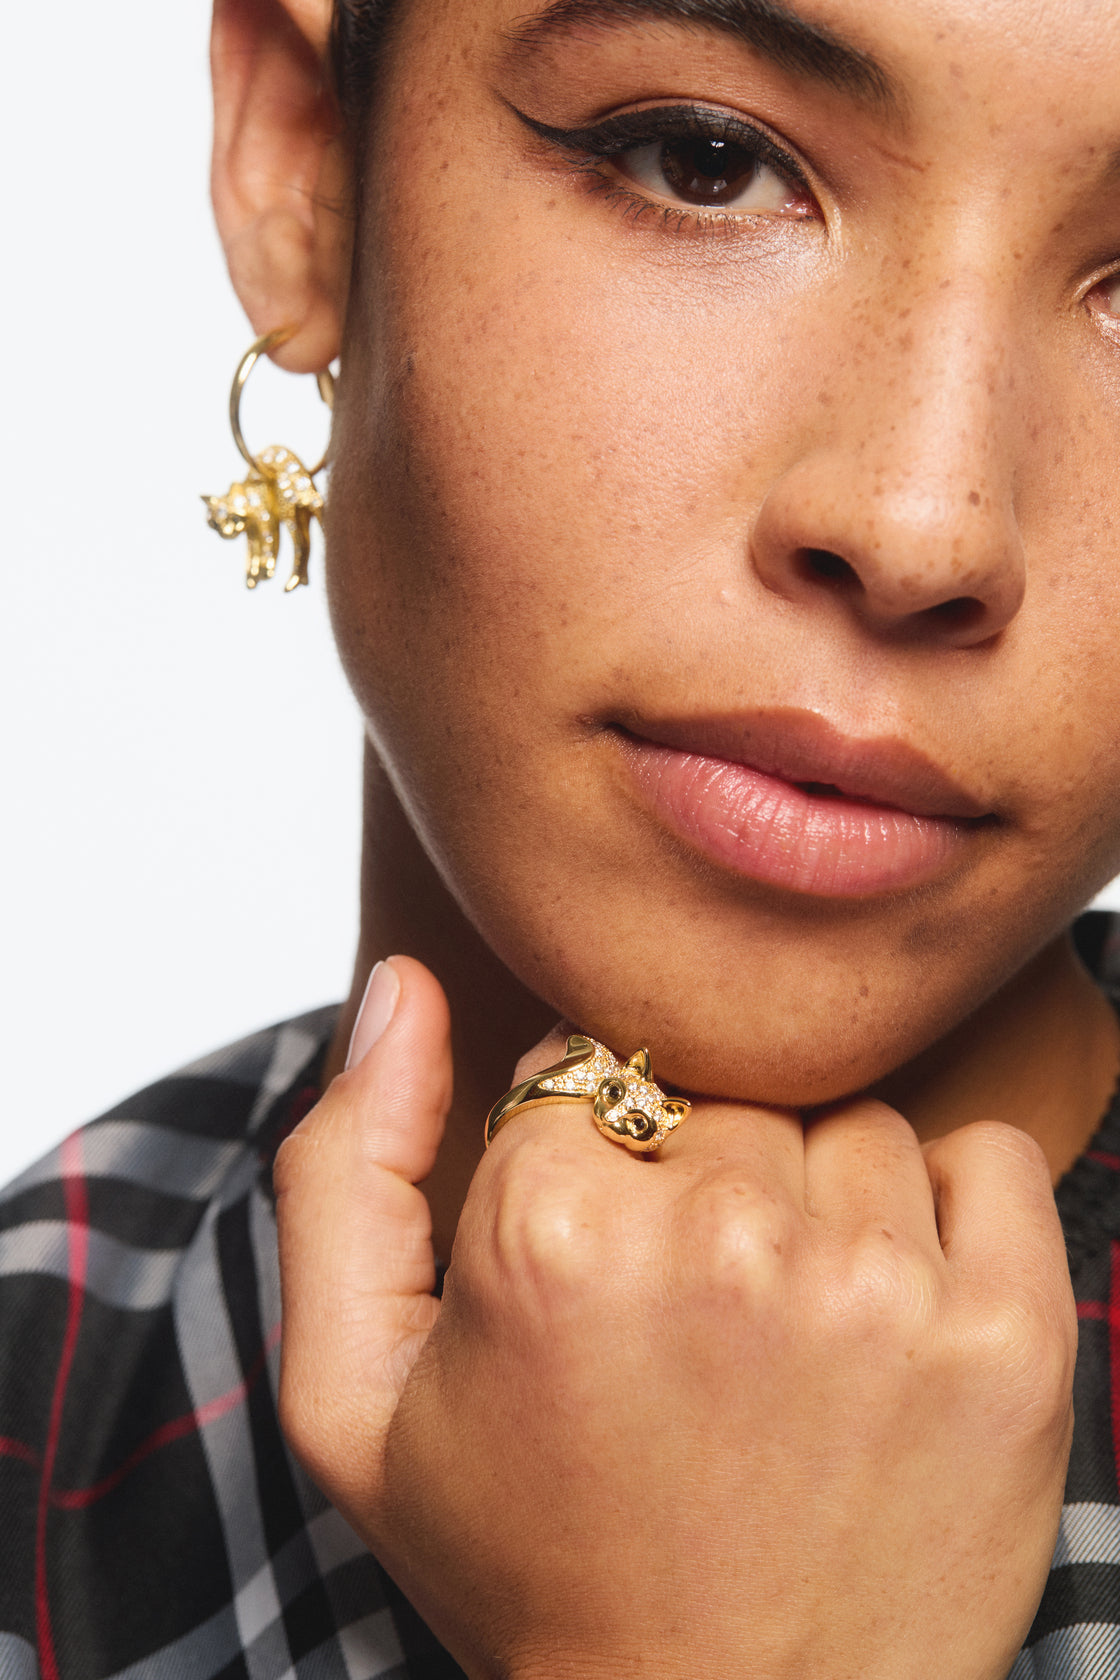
{"type": "Point", "coordinates": [628, 1107]}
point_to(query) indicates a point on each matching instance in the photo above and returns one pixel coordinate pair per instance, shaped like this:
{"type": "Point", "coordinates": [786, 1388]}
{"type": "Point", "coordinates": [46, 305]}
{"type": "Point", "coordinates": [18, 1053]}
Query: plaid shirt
{"type": "Point", "coordinates": [152, 1522]}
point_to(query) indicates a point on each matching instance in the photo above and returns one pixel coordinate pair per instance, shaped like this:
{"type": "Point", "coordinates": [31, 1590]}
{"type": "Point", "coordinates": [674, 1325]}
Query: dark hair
{"type": "Point", "coordinates": [358, 33]}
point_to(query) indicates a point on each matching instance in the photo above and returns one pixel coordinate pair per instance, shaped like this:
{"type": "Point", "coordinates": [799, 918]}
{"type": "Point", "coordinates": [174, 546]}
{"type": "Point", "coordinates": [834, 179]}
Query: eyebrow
{"type": "Point", "coordinates": [790, 41]}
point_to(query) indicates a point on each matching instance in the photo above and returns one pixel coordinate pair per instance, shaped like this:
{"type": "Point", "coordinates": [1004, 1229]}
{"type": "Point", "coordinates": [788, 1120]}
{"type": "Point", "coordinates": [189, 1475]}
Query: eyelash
{"type": "Point", "coordinates": [587, 150]}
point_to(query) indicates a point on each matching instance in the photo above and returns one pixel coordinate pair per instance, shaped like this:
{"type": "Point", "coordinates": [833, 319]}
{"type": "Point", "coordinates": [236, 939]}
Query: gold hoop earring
{"type": "Point", "coordinates": [278, 491]}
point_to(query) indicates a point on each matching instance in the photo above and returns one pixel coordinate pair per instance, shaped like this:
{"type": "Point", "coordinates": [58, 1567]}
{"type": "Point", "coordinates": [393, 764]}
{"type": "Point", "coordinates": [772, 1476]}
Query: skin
{"type": "Point", "coordinates": [897, 386]}
{"type": "Point", "coordinates": [579, 459]}
{"type": "Point", "coordinates": [788, 1402]}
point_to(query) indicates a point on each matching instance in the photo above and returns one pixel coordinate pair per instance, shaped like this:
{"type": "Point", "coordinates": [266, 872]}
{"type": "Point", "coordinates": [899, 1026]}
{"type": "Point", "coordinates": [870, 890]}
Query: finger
{"type": "Point", "coordinates": [545, 1054]}
{"type": "Point", "coordinates": [864, 1167]}
{"type": "Point", "coordinates": [996, 1213]}
{"type": "Point", "coordinates": [570, 1116]}
{"type": "Point", "coordinates": [766, 1144]}
{"type": "Point", "coordinates": [356, 1261]}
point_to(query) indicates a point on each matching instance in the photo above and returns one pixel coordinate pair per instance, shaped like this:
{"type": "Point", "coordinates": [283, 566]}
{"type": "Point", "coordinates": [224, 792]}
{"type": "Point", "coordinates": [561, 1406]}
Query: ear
{"type": "Point", "coordinates": [639, 1063]}
{"type": "Point", "coordinates": [280, 173]}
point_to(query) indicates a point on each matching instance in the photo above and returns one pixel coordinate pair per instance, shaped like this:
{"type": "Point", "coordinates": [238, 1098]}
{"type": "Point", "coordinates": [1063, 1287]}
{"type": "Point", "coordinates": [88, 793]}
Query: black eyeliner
{"type": "Point", "coordinates": [615, 135]}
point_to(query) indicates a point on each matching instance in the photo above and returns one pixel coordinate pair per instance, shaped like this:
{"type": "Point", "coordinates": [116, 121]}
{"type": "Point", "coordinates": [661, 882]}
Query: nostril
{"type": "Point", "coordinates": [821, 563]}
{"type": "Point", "coordinates": [963, 612]}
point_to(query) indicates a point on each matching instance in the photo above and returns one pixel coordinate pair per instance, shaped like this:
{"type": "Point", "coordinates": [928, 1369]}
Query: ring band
{"type": "Point", "coordinates": [627, 1106]}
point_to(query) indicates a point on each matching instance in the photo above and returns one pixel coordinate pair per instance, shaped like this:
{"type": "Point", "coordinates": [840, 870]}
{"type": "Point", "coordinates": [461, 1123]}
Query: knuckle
{"type": "Point", "coordinates": [1001, 1336]}
{"type": "Point", "coordinates": [876, 1288]}
{"type": "Point", "coordinates": [733, 1229]}
{"type": "Point", "coordinates": [551, 1238]}
{"type": "Point", "coordinates": [288, 1166]}
{"type": "Point", "coordinates": [547, 1231]}
{"type": "Point", "coordinates": [1027, 1353]}
{"type": "Point", "coordinates": [306, 1146]}
{"type": "Point", "coordinates": [889, 1276]}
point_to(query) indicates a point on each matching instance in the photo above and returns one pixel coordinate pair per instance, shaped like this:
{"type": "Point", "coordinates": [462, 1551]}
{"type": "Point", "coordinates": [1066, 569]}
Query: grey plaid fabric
{"type": "Point", "coordinates": [153, 1525]}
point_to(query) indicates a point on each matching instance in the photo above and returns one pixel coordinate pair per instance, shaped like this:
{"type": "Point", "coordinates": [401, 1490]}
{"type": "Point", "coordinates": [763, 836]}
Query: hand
{"type": "Point", "coordinates": [788, 1402]}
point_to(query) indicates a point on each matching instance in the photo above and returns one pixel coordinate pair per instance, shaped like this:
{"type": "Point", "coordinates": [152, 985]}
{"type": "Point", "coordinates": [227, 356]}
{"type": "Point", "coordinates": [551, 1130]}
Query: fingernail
{"type": "Point", "coordinates": [379, 1000]}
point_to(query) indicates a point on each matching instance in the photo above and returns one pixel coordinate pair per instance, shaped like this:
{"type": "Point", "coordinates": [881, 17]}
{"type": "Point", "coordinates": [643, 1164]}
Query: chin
{"type": "Point", "coordinates": [745, 1051]}
{"type": "Point", "coordinates": [783, 1076]}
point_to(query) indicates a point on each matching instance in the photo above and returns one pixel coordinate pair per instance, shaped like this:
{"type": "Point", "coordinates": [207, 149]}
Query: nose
{"type": "Point", "coordinates": [903, 512]}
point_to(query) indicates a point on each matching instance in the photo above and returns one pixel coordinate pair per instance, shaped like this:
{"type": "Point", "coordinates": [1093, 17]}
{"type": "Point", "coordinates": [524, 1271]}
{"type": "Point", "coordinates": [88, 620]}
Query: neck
{"type": "Point", "coordinates": [1043, 1054]}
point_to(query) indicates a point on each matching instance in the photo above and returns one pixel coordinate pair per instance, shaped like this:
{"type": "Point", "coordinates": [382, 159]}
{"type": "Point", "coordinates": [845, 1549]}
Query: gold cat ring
{"type": "Point", "coordinates": [627, 1106]}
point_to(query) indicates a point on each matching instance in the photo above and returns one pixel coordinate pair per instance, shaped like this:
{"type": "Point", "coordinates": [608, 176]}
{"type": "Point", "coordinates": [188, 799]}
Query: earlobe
{"type": "Point", "coordinates": [280, 175]}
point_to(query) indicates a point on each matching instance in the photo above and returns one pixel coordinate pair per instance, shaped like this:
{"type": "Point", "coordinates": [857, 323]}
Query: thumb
{"type": "Point", "coordinates": [356, 1264]}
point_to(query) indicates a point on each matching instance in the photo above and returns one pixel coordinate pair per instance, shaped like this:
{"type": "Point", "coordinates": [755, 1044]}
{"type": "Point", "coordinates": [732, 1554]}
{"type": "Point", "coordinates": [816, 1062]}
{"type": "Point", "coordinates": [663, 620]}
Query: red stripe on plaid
{"type": "Point", "coordinates": [1096, 1309]}
{"type": "Point", "coordinates": [77, 1245]}
{"type": "Point", "coordinates": [10, 1448]}
{"type": "Point", "coordinates": [78, 1499]}
{"type": "Point", "coordinates": [1103, 1159]}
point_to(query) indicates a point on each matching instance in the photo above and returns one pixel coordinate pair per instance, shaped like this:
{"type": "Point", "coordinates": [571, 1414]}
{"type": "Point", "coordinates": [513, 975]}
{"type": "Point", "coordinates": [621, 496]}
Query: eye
{"type": "Point", "coordinates": [689, 157]}
{"type": "Point", "coordinates": [713, 174]}
{"type": "Point", "coordinates": [1109, 294]}
{"type": "Point", "coordinates": [1103, 299]}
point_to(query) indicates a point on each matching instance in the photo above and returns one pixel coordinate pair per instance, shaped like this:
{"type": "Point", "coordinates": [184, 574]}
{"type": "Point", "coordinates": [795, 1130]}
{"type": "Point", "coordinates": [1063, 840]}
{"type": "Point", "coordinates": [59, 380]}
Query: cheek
{"type": "Point", "coordinates": [1055, 708]}
{"type": "Point", "coordinates": [537, 463]}
{"type": "Point", "coordinates": [554, 455]}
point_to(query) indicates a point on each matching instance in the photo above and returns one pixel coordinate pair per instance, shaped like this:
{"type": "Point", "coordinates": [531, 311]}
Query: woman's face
{"type": "Point", "coordinates": [723, 539]}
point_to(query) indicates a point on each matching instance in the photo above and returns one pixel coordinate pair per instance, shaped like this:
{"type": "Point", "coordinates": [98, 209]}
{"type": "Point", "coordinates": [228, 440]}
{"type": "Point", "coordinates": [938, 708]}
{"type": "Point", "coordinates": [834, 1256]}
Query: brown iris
{"type": "Point", "coordinates": [707, 171]}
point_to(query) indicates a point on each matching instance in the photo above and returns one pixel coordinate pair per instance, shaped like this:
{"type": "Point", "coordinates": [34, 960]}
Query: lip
{"type": "Point", "coordinates": [785, 798]}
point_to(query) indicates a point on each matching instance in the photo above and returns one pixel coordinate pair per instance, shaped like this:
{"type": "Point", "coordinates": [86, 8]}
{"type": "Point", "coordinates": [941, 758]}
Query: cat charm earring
{"type": "Point", "coordinates": [277, 492]}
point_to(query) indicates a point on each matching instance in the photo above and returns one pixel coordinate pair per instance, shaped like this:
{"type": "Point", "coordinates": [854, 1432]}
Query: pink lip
{"type": "Point", "coordinates": [784, 798]}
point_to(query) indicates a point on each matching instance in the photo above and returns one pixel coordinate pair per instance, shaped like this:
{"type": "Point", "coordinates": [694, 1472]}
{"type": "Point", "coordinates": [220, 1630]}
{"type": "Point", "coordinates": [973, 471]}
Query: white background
{"type": "Point", "coordinates": [178, 850]}
{"type": "Point", "coordinates": [180, 759]}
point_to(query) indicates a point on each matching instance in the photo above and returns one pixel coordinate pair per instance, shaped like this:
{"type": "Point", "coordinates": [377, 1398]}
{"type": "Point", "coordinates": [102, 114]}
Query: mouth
{"type": "Point", "coordinates": [784, 798]}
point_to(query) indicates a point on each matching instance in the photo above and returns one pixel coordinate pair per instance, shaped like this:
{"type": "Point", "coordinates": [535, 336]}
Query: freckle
{"type": "Point", "coordinates": [776, 1246]}
{"type": "Point", "coordinates": [863, 991]}
{"type": "Point", "coordinates": [974, 497]}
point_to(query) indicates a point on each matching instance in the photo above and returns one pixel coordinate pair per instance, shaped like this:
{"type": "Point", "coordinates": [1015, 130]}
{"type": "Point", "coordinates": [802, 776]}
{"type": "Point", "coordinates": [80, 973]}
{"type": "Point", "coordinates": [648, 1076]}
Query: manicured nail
{"type": "Point", "coordinates": [378, 1003]}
